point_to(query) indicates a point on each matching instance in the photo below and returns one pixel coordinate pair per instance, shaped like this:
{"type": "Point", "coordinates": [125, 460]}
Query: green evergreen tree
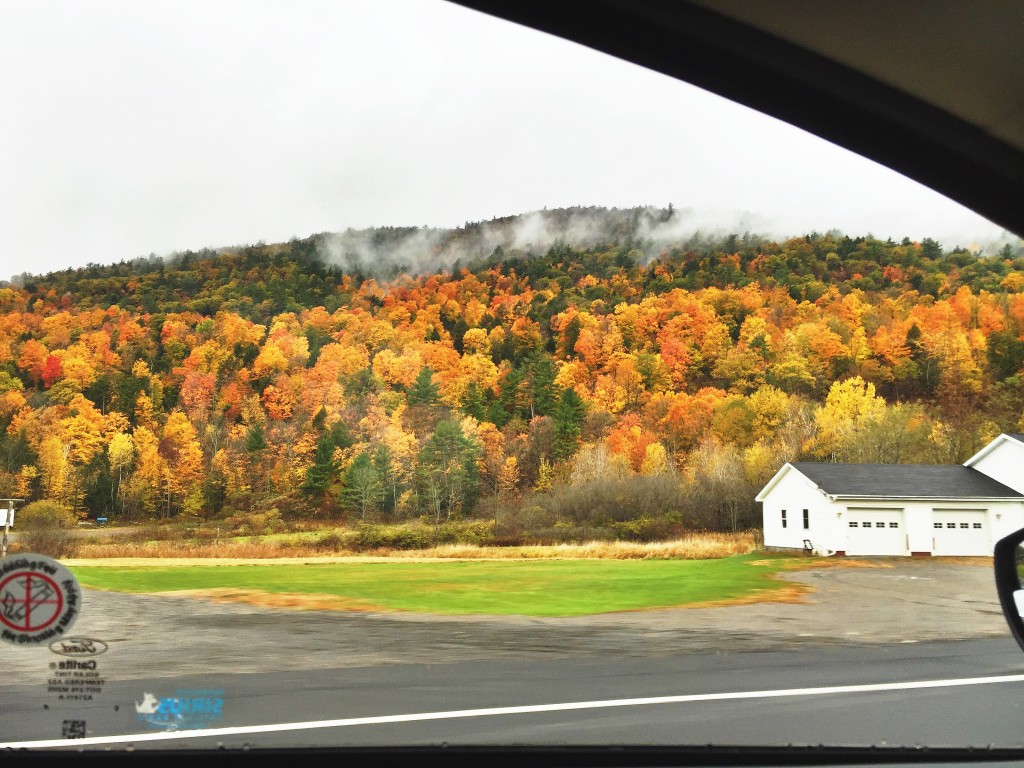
{"type": "Point", "coordinates": [496, 414]}
{"type": "Point", "coordinates": [423, 390]}
{"type": "Point", "coordinates": [568, 416]}
{"type": "Point", "coordinates": [543, 392]}
{"type": "Point", "coordinates": [474, 403]}
{"type": "Point", "coordinates": [447, 476]}
{"type": "Point", "coordinates": [388, 478]}
{"type": "Point", "coordinates": [361, 486]}
{"type": "Point", "coordinates": [457, 331]}
{"type": "Point", "coordinates": [255, 440]}
{"type": "Point", "coordinates": [321, 473]}
{"type": "Point", "coordinates": [509, 397]}
{"type": "Point", "coordinates": [319, 420]}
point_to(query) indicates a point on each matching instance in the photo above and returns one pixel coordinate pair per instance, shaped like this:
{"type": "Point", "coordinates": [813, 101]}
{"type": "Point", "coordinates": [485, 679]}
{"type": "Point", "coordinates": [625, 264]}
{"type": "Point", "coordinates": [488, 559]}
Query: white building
{"type": "Point", "coordinates": [898, 509]}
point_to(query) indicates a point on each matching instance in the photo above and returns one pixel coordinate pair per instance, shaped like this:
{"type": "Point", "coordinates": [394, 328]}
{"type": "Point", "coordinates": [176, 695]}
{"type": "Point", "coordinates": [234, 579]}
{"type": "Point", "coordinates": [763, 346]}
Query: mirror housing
{"type": "Point", "coordinates": [1007, 559]}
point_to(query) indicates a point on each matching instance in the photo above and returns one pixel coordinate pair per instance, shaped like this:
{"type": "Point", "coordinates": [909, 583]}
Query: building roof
{"type": "Point", "coordinates": [940, 481]}
{"type": "Point", "coordinates": [1019, 437]}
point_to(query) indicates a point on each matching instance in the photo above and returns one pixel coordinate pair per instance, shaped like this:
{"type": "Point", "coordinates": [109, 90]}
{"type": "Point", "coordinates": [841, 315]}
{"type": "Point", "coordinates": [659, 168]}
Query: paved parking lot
{"type": "Point", "coordinates": [895, 601]}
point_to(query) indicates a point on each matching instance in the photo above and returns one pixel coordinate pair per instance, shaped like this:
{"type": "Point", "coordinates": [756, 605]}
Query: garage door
{"type": "Point", "coordinates": [961, 532]}
{"type": "Point", "coordinates": [875, 532]}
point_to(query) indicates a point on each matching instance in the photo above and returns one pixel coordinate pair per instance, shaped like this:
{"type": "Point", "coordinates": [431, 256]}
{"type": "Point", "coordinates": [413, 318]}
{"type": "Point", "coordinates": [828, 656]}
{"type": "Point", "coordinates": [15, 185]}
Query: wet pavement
{"type": "Point", "coordinates": [898, 601]}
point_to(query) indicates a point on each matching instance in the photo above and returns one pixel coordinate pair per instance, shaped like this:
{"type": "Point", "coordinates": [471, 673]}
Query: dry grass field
{"type": "Point", "coordinates": [697, 546]}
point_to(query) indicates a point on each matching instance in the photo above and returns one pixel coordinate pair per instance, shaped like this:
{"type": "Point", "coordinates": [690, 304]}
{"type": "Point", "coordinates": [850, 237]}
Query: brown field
{"type": "Point", "coordinates": [698, 546]}
{"type": "Point", "coordinates": [264, 599]}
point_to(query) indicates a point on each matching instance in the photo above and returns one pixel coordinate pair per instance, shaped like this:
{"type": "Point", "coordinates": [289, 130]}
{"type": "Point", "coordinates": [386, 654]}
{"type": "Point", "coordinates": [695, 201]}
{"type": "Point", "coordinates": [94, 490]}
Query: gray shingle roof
{"type": "Point", "coordinates": [904, 480]}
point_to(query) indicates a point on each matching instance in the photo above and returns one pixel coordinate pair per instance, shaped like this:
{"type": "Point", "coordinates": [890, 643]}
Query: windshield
{"type": "Point", "coordinates": [388, 374]}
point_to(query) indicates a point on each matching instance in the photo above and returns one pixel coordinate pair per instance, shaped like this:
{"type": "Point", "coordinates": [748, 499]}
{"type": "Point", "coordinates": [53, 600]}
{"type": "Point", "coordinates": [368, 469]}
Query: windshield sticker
{"type": "Point", "coordinates": [39, 599]}
{"type": "Point", "coordinates": [73, 729]}
{"type": "Point", "coordinates": [78, 646]}
{"type": "Point", "coordinates": [185, 709]}
{"type": "Point", "coordinates": [75, 680]}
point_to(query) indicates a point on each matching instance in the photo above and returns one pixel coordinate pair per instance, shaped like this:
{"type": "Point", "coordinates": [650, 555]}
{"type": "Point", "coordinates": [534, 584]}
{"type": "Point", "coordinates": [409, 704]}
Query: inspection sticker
{"type": "Point", "coordinates": [39, 599]}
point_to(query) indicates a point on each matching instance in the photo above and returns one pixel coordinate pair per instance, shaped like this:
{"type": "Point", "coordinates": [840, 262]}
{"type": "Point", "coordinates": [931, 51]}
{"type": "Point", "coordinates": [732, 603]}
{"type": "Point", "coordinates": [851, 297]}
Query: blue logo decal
{"type": "Point", "coordinates": [185, 709]}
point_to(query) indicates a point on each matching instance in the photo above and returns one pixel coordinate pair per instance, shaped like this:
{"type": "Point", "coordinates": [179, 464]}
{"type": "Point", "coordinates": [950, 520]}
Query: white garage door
{"type": "Point", "coordinates": [961, 532]}
{"type": "Point", "coordinates": [875, 532]}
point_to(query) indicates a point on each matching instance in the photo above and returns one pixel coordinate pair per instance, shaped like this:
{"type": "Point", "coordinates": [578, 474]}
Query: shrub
{"type": "Point", "coordinates": [569, 534]}
{"type": "Point", "coordinates": [146, 533]}
{"type": "Point", "coordinates": [507, 538]}
{"type": "Point", "coordinates": [329, 542]}
{"type": "Point", "coordinates": [203, 533]}
{"type": "Point", "coordinates": [295, 508]}
{"type": "Point", "coordinates": [257, 523]}
{"type": "Point", "coordinates": [603, 501]}
{"type": "Point", "coordinates": [392, 537]}
{"type": "Point", "coordinates": [48, 528]}
{"type": "Point", "coordinates": [479, 532]}
{"type": "Point", "coordinates": [643, 508]}
{"type": "Point", "coordinates": [45, 514]}
{"type": "Point", "coordinates": [648, 529]}
{"type": "Point", "coordinates": [420, 536]}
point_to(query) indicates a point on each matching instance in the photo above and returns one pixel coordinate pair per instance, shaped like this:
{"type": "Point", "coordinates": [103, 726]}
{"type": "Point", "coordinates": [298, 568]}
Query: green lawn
{"type": "Point", "coordinates": [531, 588]}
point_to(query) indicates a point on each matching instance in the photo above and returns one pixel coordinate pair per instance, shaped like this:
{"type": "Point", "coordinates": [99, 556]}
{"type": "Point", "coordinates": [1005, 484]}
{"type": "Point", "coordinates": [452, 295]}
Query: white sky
{"type": "Point", "coordinates": [132, 128]}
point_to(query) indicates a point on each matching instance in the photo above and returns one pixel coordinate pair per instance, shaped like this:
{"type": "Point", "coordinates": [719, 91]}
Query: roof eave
{"type": "Point", "coordinates": [866, 497]}
{"type": "Point", "coordinates": [987, 449]}
{"type": "Point", "coordinates": [774, 481]}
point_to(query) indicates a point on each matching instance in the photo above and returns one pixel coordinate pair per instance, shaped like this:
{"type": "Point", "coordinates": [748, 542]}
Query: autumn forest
{"type": "Point", "coordinates": [613, 386]}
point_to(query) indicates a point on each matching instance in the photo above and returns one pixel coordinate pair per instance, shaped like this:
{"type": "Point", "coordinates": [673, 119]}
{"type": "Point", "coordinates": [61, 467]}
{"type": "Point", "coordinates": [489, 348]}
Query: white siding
{"type": "Point", "coordinates": [1004, 463]}
{"type": "Point", "coordinates": [1005, 518]}
{"type": "Point", "coordinates": [795, 493]}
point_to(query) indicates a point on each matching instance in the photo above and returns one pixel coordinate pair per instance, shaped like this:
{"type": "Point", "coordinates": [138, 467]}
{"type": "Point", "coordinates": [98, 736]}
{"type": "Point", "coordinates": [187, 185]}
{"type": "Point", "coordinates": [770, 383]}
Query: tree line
{"type": "Point", "coordinates": [582, 389]}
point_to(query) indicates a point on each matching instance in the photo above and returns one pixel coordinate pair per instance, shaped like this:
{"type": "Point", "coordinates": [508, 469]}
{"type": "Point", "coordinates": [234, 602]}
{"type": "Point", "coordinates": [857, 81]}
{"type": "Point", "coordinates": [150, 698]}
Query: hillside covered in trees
{"type": "Point", "coordinates": [583, 373]}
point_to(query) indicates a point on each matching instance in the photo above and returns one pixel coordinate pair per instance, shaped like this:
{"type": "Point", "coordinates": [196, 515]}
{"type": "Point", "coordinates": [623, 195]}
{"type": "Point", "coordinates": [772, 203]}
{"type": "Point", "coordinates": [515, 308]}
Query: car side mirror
{"type": "Point", "coordinates": [1008, 560]}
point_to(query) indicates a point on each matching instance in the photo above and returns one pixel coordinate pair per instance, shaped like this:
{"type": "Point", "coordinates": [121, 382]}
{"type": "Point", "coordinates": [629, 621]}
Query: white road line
{"type": "Point", "coordinates": [493, 711]}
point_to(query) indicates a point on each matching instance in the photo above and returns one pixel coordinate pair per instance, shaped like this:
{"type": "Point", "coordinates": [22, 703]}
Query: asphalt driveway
{"type": "Point", "coordinates": [893, 601]}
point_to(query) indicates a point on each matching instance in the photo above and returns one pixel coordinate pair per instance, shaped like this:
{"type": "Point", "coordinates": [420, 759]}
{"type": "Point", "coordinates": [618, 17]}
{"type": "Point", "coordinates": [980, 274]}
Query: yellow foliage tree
{"type": "Point", "coordinates": [850, 407]}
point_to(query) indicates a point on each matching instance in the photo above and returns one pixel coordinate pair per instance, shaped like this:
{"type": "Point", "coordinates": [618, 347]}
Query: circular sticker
{"type": "Point", "coordinates": [39, 599]}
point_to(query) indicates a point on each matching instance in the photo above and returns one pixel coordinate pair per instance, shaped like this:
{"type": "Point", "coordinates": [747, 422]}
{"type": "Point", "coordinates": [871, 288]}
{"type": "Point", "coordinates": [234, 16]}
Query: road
{"type": "Point", "coordinates": [977, 714]}
{"type": "Point", "coordinates": [748, 674]}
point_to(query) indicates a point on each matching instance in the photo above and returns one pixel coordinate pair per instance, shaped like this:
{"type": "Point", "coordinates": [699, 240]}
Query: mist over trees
{"type": "Point", "coordinates": [613, 382]}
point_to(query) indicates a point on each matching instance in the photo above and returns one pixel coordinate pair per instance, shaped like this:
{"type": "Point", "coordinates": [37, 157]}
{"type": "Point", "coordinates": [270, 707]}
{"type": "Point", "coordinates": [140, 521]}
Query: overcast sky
{"type": "Point", "coordinates": [132, 128]}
